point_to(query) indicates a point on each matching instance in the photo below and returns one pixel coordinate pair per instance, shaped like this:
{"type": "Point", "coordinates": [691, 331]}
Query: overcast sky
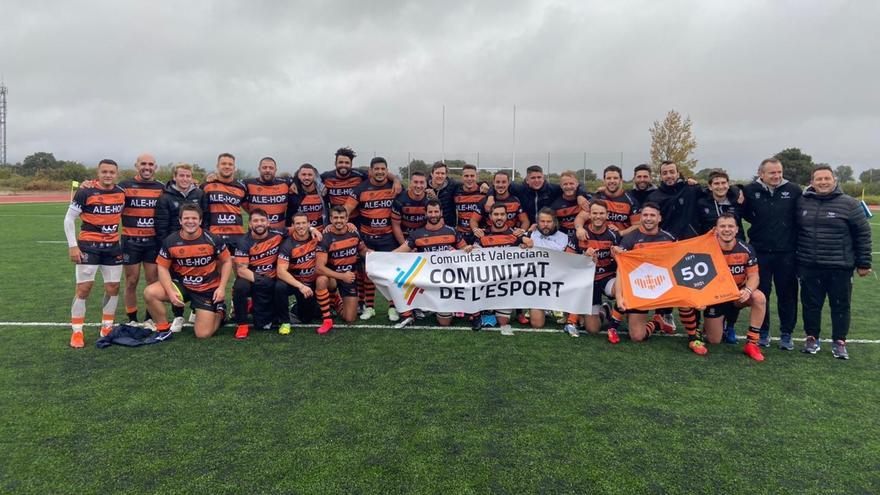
{"type": "Point", "coordinates": [296, 80]}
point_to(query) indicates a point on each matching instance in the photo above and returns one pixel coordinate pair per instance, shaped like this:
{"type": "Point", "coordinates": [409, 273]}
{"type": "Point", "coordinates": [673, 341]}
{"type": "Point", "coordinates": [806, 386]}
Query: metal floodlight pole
{"type": "Point", "coordinates": [443, 134]}
{"type": "Point", "coordinates": [513, 164]}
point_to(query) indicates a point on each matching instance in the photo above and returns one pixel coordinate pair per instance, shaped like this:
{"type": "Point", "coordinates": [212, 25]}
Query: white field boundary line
{"type": "Point", "coordinates": [65, 326]}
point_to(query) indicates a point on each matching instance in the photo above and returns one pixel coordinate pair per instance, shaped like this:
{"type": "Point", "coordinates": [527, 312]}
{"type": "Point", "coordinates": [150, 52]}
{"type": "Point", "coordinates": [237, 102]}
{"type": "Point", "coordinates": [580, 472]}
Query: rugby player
{"type": "Point", "coordinates": [296, 275]}
{"type": "Point", "coordinates": [500, 194]}
{"type": "Point", "coordinates": [500, 235]}
{"type": "Point", "coordinates": [536, 193]}
{"type": "Point", "coordinates": [372, 199]}
{"type": "Point", "coordinates": [743, 266]}
{"type": "Point", "coordinates": [140, 244]}
{"type": "Point", "coordinates": [622, 207]}
{"type": "Point", "coordinates": [255, 258]}
{"type": "Point", "coordinates": [307, 200]}
{"type": "Point", "coordinates": [179, 191]}
{"type": "Point", "coordinates": [337, 259]}
{"type": "Point", "coordinates": [443, 189]}
{"type": "Point", "coordinates": [467, 198]}
{"type": "Point", "coordinates": [639, 327]}
{"type": "Point", "coordinates": [598, 244]}
{"type": "Point", "coordinates": [643, 185]}
{"type": "Point", "coordinates": [96, 247]}
{"type": "Point", "coordinates": [548, 236]}
{"type": "Point", "coordinates": [719, 198]}
{"type": "Point", "coordinates": [567, 206]}
{"type": "Point", "coordinates": [409, 208]}
{"type": "Point", "coordinates": [434, 236]}
{"type": "Point", "coordinates": [268, 193]}
{"type": "Point", "coordinates": [194, 263]}
{"type": "Point", "coordinates": [222, 203]}
{"type": "Point", "coordinates": [771, 209]}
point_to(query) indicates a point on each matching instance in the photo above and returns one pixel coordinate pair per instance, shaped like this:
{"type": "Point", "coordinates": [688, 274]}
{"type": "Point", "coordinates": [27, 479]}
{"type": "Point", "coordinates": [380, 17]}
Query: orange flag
{"type": "Point", "coordinates": [684, 274]}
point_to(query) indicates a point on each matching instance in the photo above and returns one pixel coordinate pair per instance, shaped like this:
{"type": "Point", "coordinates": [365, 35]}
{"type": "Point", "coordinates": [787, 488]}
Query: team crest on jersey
{"type": "Point", "coordinates": [785, 195]}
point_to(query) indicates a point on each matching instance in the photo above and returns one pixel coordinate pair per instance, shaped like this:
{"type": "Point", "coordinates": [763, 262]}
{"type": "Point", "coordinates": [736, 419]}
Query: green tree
{"type": "Point", "coordinates": [796, 165]}
{"type": "Point", "coordinates": [585, 175]}
{"type": "Point", "coordinates": [673, 139]}
{"type": "Point", "coordinates": [703, 174]}
{"type": "Point", "coordinates": [870, 176]}
{"type": "Point", "coordinates": [415, 166]}
{"type": "Point", "coordinates": [38, 162]}
{"type": "Point", "coordinates": [844, 173]}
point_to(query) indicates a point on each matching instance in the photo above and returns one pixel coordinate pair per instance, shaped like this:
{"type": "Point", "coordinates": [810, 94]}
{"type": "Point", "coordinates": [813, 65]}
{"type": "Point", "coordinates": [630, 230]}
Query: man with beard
{"type": "Point", "coordinates": [537, 193]}
{"type": "Point", "coordinates": [567, 206]}
{"type": "Point", "coordinates": [297, 261]}
{"type": "Point", "coordinates": [443, 189]}
{"type": "Point", "coordinates": [434, 236]}
{"type": "Point", "coordinates": [195, 265]}
{"type": "Point", "coordinates": [643, 185]}
{"type": "Point", "coordinates": [307, 200]}
{"type": "Point", "coordinates": [621, 206]}
{"type": "Point", "coordinates": [500, 235]}
{"type": "Point", "coordinates": [500, 195]}
{"type": "Point", "coordinates": [639, 327]}
{"type": "Point", "coordinates": [408, 209]}
{"type": "Point", "coordinates": [96, 247]}
{"type": "Point", "coordinates": [743, 266]}
{"type": "Point", "coordinates": [771, 209]}
{"type": "Point", "coordinates": [268, 193]}
{"type": "Point", "coordinates": [222, 202]}
{"type": "Point", "coordinates": [548, 236]}
{"type": "Point", "coordinates": [372, 199]}
{"type": "Point", "coordinates": [179, 191]}
{"type": "Point", "coordinates": [336, 262]}
{"type": "Point", "coordinates": [598, 244]}
{"type": "Point", "coordinates": [255, 259]}
{"type": "Point", "coordinates": [140, 245]}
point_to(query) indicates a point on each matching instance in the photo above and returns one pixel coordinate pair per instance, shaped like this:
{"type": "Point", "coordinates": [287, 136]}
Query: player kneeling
{"type": "Point", "coordinates": [743, 266]}
{"type": "Point", "coordinates": [336, 263]}
{"type": "Point", "coordinates": [193, 267]}
{"type": "Point", "coordinates": [297, 275]}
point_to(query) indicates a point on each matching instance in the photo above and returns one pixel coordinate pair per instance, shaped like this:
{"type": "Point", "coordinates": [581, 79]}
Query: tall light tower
{"type": "Point", "coordinates": [2, 123]}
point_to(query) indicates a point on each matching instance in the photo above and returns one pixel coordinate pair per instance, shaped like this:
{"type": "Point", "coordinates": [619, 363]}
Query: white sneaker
{"type": "Point", "coordinates": [149, 324]}
{"type": "Point", "coordinates": [192, 316]}
{"type": "Point", "coordinates": [393, 315]}
{"type": "Point", "coordinates": [506, 330]}
{"type": "Point", "coordinates": [406, 322]}
{"type": "Point", "coordinates": [572, 330]}
{"type": "Point", "coordinates": [368, 313]}
{"type": "Point", "coordinates": [177, 324]}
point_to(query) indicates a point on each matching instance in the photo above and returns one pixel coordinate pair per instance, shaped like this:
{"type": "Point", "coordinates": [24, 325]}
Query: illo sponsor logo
{"type": "Point", "coordinates": [404, 279]}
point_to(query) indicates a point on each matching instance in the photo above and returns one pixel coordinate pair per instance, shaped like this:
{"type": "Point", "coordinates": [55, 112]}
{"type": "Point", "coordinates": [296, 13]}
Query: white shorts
{"type": "Point", "coordinates": [110, 274]}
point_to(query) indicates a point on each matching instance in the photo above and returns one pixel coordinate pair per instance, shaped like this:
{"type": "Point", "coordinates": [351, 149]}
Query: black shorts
{"type": "Point", "coordinates": [136, 251]}
{"type": "Point", "coordinates": [346, 289]}
{"type": "Point", "coordinates": [599, 290]}
{"type": "Point", "coordinates": [382, 243]}
{"type": "Point", "coordinates": [726, 309]}
{"type": "Point", "coordinates": [106, 254]}
{"type": "Point", "coordinates": [200, 300]}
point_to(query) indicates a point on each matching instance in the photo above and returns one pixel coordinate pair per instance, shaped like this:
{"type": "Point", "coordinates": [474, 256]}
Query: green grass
{"type": "Point", "coordinates": [373, 410]}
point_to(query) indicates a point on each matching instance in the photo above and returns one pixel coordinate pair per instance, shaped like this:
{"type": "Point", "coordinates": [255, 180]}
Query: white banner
{"type": "Point", "coordinates": [493, 278]}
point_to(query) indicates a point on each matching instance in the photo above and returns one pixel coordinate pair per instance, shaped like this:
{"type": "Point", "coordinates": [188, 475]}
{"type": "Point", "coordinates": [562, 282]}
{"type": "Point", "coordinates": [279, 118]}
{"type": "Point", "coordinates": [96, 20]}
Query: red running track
{"type": "Point", "coordinates": [36, 198]}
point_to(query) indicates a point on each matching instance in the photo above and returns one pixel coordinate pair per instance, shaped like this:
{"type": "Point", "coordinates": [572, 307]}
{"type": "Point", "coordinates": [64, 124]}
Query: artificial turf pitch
{"type": "Point", "coordinates": [387, 411]}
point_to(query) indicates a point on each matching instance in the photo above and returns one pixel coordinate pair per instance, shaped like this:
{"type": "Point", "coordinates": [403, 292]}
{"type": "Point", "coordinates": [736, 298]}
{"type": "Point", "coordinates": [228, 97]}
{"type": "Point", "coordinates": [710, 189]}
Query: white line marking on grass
{"type": "Point", "coordinates": [51, 242]}
{"type": "Point", "coordinates": [65, 325]}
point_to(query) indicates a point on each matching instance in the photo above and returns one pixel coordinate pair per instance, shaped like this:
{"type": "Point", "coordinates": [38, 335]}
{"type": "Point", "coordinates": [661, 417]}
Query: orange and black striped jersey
{"type": "Point", "coordinates": [742, 262]}
{"type": "Point", "coordinates": [639, 238]}
{"type": "Point", "coordinates": [342, 250]}
{"type": "Point", "coordinates": [100, 211]}
{"type": "Point", "coordinates": [566, 211]}
{"type": "Point", "coordinates": [309, 204]}
{"type": "Point", "coordinates": [373, 204]}
{"type": "Point", "coordinates": [622, 209]}
{"type": "Point", "coordinates": [193, 262]}
{"type": "Point", "coordinates": [260, 254]}
{"type": "Point", "coordinates": [500, 239]}
{"type": "Point", "coordinates": [272, 197]}
{"type": "Point", "coordinates": [139, 212]}
{"type": "Point", "coordinates": [511, 204]}
{"type": "Point", "coordinates": [443, 239]}
{"type": "Point", "coordinates": [467, 206]}
{"type": "Point", "coordinates": [601, 242]}
{"type": "Point", "coordinates": [222, 205]}
{"type": "Point", "coordinates": [339, 189]}
{"type": "Point", "coordinates": [301, 258]}
{"type": "Point", "coordinates": [410, 212]}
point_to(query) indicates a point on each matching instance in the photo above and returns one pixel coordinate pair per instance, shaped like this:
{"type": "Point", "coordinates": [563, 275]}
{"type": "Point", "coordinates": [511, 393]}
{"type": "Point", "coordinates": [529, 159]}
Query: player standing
{"type": "Point", "coordinates": [408, 211]}
{"type": "Point", "coordinates": [567, 206]}
{"type": "Point", "coordinates": [268, 193]}
{"type": "Point", "coordinates": [223, 201]}
{"type": "Point", "coordinates": [307, 199]}
{"type": "Point", "coordinates": [96, 247]}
